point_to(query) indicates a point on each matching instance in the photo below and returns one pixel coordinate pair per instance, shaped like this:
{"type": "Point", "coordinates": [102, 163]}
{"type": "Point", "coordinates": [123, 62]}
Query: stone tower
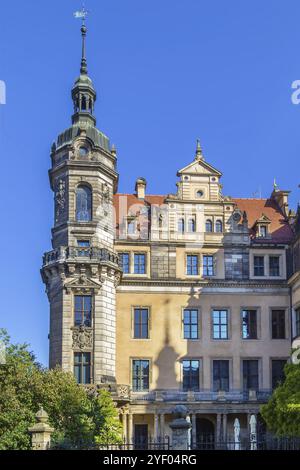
{"type": "Point", "coordinates": [82, 271]}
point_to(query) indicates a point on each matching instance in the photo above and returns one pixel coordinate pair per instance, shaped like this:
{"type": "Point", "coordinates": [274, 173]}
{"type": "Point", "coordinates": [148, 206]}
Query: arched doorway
{"type": "Point", "coordinates": [205, 434]}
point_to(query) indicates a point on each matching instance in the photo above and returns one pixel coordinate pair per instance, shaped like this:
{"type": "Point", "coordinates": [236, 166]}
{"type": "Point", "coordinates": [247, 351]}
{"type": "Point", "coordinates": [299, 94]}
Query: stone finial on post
{"type": "Point", "coordinates": [180, 428]}
{"type": "Point", "coordinates": [41, 431]}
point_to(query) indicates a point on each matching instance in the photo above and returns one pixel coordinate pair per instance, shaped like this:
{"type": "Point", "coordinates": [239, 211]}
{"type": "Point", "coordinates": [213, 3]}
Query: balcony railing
{"type": "Point", "coordinates": [203, 395]}
{"type": "Point", "coordinates": [69, 253]}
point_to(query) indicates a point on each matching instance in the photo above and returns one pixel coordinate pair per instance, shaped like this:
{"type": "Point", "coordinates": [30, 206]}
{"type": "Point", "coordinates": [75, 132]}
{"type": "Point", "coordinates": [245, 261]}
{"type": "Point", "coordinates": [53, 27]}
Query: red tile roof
{"type": "Point", "coordinates": [279, 227]}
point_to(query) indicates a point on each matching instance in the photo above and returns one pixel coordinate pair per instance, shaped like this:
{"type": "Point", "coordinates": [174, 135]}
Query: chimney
{"type": "Point", "coordinates": [282, 199]}
{"type": "Point", "coordinates": [140, 188]}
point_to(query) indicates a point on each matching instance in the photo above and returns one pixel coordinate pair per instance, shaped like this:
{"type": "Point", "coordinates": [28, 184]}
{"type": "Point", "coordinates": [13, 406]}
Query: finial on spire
{"type": "Point", "coordinates": [199, 155]}
{"type": "Point", "coordinates": [275, 185]}
{"type": "Point", "coordinates": [82, 14]}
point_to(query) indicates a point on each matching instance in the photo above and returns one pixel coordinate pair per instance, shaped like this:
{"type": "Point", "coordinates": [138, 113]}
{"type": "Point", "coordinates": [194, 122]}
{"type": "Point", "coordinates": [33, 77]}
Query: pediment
{"type": "Point", "coordinates": [263, 219]}
{"type": "Point", "coordinates": [199, 167]}
{"type": "Point", "coordinates": [82, 283]}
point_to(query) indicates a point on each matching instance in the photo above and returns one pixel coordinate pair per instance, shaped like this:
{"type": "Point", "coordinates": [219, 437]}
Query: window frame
{"type": "Point", "coordinates": [219, 223]}
{"type": "Point", "coordinates": [139, 254]}
{"type": "Point", "coordinates": [211, 226]}
{"type": "Point", "coordinates": [81, 366]}
{"type": "Point", "coordinates": [140, 359]}
{"type": "Point", "coordinates": [278, 309]}
{"type": "Point", "coordinates": [82, 311]}
{"type": "Point", "coordinates": [121, 254]}
{"type": "Point", "coordinates": [250, 309]}
{"type": "Point", "coordinates": [251, 359]}
{"type": "Point", "coordinates": [212, 257]}
{"type": "Point", "coordinates": [219, 360]}
{"type": "Point", "coordinates": [269, 265]}
{"type": "Point", "coordinates": [86, 186]}
{"type": "Point", "coordinates": [190, 324]}
{"type": "Point", "coordinates": [197, 387]}
{"type": "Point", "coordinates": [192, 255]}
{"type": "Point", "coordinates": [259, 267]}
{"type": "Point", "coordinates": [220, 310]}
{"type": "Point", "coordinates": [141, 308]}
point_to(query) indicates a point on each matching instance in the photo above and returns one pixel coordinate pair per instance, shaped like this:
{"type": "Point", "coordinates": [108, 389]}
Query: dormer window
{"type": "Point", "coordinates": [131, 227]}
{"type": "Point", "coordinates": [262, 231]}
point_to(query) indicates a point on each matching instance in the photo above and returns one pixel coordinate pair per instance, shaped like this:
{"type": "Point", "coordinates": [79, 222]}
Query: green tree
{"type": "Point", "coordinates": [282, 412]}
{"type": "Point", "coordinates": [25, 386]}
{"type": "Point", "coordinates": [108, 428]}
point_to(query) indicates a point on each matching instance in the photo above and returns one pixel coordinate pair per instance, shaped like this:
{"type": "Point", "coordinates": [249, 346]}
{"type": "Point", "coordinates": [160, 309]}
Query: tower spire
{"type": "Point", "coordinates": [82, 14]}
{"type": "Point", "coordinates": [199, 155]}
{"type": "Point", "coordinates": [83, 93]}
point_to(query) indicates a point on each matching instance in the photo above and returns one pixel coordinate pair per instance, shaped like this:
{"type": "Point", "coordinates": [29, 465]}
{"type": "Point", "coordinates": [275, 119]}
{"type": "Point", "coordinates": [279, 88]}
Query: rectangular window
{"type": "Point", "coordinates": [274, 266]}
{"type": "Point", "coordinates": [83, 247]}
{"type": "Point", "coordinates": [221, 375]}
{"type": "Point", "coordinates": [83, 310]}
{"type": "Point", "coordinates": [249, 325]}
{"type": "Point", "coordinates": [259, 266]}
{"type": "Point", "coordinates": [192, 265]}
{"type": "Point", "coordinates": [141, 323]}
{"type": "Point", "coordinates": [297, 332]}
{"type": "Point", "coordinates": [82, 367]}
{"type": "Point", "coordinates": [262, 231]}
{"type": "Point", "coordinates": [278, 324]}
{"type": "Point", "coordinates": [250, 374]}
{"type": "Point", "coordinates": [277, 372]}
{"type": "Point", "coordinates": [124, 262]}
{"type": "Point", "coordinates": [139, 263]}
{"type": "Point", "coordinates": [220, 324]}
{"type": "Point", "coordinates": [140, 375]}
{"type": "Point", "coordinates": [208, 265]}
{"type": "Point", "coordinates": [190, 373]}
{"type": "Point", "coordinates": [190, 324]}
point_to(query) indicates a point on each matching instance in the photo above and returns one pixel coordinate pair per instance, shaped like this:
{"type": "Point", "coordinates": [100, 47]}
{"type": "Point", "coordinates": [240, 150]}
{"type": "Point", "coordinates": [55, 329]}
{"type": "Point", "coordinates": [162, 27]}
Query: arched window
{"type": "Point", "coordinates": [219, 226]}
{"type": "Point", "coordinates": [192, 225]}
{"type": "Point", "coordinates": [83, 103]}
{"type": "Point", "coordinates": [83, 203]}
{"type": "Point", "coordinates": [181, 225]}
{"type": "Point", "coordinates": [208, 226]}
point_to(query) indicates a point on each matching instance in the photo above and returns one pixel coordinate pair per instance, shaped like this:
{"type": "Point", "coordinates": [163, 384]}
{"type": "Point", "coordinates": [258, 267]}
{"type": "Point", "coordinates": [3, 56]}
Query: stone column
{"type": "Point", "coordinates": [41, 432]}
{"type": "Point", "coordinates": [194, 429]}
{"type": "Point", "coordinates": [224, 427]}
{"type": "Point", "coordinates": [162, 426]}
{"type": "Point", "coordinates": [155, 426]}
{"type": "Point", "coordinates": [124, 422]}
{"type": "Point", "coordinates": [130, 428]}
{"type": "Point", "coordinates": [218, 433]}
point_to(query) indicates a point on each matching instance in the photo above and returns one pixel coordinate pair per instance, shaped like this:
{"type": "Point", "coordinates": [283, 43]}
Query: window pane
{"type": "Point", "coordinates": [250, 374]}
{"type": "Point", "coordinates": [139, 263]}
{"type": "Point", "coordinates": [124, 262]}
{"type": "Point", "coordinates": [274, 265]}
{"type": "Point", "coordinates": [249, 328]}
{"type": "Point", "coordinates": [221, 375]}
{"type": "Point", "coordinates": [83, 204]}
{"type": "Point", "coordinates": [259, 269]}
{"type": "Point", "coordinates": [278, 324]}
{"type": "Point", "coordinates": [190, 370]}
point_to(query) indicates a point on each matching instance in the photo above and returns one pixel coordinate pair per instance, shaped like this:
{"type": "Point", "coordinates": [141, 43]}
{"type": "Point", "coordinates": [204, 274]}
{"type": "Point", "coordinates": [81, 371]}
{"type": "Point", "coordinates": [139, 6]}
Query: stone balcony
{"type": "Point", "coordinates": [71, 253]}
{"type": "Point", "coordinates": [233, 396]}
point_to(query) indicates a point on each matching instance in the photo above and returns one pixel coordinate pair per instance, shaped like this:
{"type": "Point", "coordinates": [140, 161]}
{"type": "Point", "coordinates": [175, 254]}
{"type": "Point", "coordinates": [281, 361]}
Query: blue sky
{"type": "Point", "coordinates": [166, 73]}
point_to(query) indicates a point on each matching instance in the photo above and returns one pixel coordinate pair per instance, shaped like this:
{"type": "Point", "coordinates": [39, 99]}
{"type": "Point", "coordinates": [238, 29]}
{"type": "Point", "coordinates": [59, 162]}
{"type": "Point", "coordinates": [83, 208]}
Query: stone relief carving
{"type": "Point", "coordinates": [82, 338]}
{"type": "Point", "coordinates": [60, 200]}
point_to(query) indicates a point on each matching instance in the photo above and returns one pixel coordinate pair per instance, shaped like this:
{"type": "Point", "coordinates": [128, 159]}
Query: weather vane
{"type": "Point", "coordinates": [81, 14]}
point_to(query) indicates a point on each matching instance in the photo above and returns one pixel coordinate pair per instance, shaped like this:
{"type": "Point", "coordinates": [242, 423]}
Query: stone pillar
{"type": "Point", "coordinates": [124, 422]}
{"type": "Point", "coordinates": [194, 429]}
{"type": "Point", "coordinates": [224, 427]}
{"type": "Point", "coordinates": [218, 433]}
{"type": "Point", "coordinates": [180, 429]}
{"type": "Point", "coordinates": [162, 426]}
{"type": "Point", "coordinates": [130, 428]}
{"type": "Point", "coordinates": [41, 432]}
{"type": "Point", "coordinates": [155, 426]}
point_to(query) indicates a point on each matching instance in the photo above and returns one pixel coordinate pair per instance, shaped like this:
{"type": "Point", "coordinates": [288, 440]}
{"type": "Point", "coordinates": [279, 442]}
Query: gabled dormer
{"type": "Point", "coordinates": [199, 181]}
{"type": "Point", "coordinates": [261, 227]}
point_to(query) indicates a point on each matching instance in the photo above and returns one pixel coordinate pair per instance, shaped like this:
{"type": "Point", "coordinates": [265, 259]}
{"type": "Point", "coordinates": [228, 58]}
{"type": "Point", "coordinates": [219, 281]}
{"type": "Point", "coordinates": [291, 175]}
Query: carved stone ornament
{"type": "Point", "coordinates": [60, 200]}
{"type": "Point", "coordinates": [82, 338]}
{"type": "Point", "coordinates": [83, 284]}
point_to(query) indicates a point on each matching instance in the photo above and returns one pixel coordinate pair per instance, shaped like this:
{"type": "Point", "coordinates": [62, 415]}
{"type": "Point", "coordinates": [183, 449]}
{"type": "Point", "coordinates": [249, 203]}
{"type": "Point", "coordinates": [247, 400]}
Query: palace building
{"type": "Point", "coordinates": [190, 298]}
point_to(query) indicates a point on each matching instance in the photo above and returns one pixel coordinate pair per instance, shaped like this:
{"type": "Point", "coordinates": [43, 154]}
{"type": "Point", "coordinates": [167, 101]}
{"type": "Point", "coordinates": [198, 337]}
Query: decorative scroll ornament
{"type": "Point", "coordinates": [60, 200]}
{"type": "Point", "coordinates": [82, 338]}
